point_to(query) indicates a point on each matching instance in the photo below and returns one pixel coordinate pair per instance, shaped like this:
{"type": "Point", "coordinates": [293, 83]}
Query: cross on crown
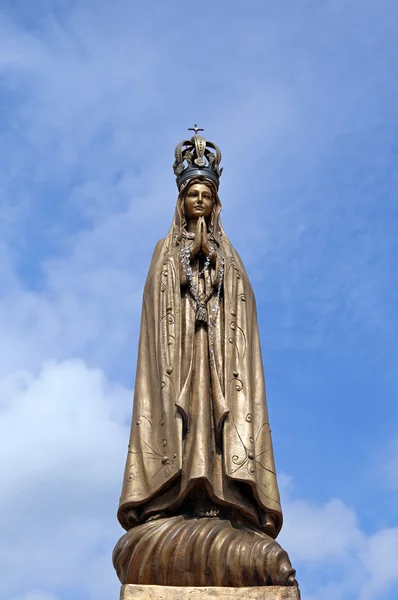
{"type": "Point", "coordinates": [195, 128]}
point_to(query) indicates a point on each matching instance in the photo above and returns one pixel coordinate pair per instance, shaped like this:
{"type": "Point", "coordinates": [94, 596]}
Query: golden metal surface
{"type": "Point", "coordinates": [201, 551]}
{"type": "Point", "coordinates": [200, 476]}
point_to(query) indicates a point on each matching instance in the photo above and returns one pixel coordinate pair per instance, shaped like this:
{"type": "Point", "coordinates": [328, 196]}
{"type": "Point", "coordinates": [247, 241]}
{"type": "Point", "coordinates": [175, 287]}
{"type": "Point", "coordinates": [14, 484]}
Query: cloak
{"type": "Point", "coordinates": [200, 416]}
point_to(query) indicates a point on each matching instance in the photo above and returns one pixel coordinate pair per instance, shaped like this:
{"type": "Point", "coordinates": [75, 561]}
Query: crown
{"type": "Point", "coordinates": [195, 158]}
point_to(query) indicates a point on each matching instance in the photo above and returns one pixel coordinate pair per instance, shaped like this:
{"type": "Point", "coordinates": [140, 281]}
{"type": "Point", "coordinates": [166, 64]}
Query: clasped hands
{"type": "Point", "coordinates": [201, 242]}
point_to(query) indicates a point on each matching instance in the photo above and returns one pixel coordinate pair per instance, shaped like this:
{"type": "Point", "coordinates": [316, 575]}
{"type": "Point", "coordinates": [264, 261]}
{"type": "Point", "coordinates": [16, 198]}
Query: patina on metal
{"type": "Point", "coordinates": [200, 499]}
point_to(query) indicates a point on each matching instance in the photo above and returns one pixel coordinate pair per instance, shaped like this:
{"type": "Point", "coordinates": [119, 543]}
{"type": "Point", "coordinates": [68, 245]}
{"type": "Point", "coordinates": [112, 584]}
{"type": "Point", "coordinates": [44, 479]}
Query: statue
{"type": "Point", "coordinates": [200, 500]}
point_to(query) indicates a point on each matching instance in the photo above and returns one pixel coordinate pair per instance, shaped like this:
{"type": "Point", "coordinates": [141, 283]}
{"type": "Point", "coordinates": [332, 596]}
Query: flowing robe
{"type": "Point", "coordinates": [200, 419]}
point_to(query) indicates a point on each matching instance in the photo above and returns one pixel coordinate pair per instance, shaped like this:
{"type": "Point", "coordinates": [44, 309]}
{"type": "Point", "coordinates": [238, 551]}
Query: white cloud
{"type": "Point", "coordinates": [379, 555]}
{"type": "Point", "coordinates": [91, 290]}
{"type": "Point", "coordinates": [321, 532]}
{"type": "Point", "coordinates": [65, 432]}
{"type": "Point", "coordinates": [327, 539]}
{"type": "Point", "coordinates": [36, 595]}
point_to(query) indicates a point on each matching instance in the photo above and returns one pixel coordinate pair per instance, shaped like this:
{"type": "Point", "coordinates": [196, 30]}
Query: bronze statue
{"type": "Point", "coordinates": [200, 500]}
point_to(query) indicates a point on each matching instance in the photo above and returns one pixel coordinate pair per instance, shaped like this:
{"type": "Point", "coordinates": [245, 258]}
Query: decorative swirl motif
{"type": "Point", "coordinates": [235, 327]}
{"type": "Point", "coordinates": [167, 271]}
{"type": "Point", "coordinates": [266, 424]}
{"type": "Point", "coordinates": [169, 316]}
{"type": "Point", "coordinates": [169, 370]}
{"type": "Point", "coordinates": [238, 384]}
{"type": "Point", "coordinates": [238, 337]}
{"type": "Point", "coordinates": [139, 420]}
{"type": "Point", "coordinates": [162, 283]}
{"type": "Point", "coordinates": [151, 449]}
{"type": "Point", "coordinates": [168, 320]}
{"type": "Point", "coordinates": [230, 261]}
{"type": "Point", "coordinates": [250, 458]}
{"type": "Point", "coordinates": [170, 264]}
{"type": "Point", "coordinates": [233, 341]}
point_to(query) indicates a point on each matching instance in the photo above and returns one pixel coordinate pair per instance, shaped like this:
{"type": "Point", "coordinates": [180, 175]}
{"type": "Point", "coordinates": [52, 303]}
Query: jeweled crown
{"type": "Point", "coordinates": [197, 157]}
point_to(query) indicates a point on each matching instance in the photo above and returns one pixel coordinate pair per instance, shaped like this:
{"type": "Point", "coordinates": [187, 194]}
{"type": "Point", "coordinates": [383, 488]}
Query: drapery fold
{"type": "Point", "coordinates": [241, 471]}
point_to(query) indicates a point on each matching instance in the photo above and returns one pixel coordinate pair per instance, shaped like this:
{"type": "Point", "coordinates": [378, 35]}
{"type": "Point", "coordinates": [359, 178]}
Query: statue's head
{"type": "Point", "coordinates": [198, 198]}
{"type": "Point", "coordinates": [198, 201]}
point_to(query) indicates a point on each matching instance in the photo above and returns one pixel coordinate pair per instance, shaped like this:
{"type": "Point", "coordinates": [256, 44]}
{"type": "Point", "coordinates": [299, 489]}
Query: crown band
{"type": "Point", "coordinates": [193, 173]}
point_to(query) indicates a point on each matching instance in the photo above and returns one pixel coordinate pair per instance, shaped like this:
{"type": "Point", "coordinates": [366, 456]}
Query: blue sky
{"type": "Point", "coordinates": [301, 98]}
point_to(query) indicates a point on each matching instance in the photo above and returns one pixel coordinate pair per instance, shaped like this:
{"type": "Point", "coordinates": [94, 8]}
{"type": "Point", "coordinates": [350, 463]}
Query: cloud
{"type": "Point", "coordinates": [321, 532]}
{"type": "Point", "coordinates": [92, 289]}
{"type": "Point", "coordinates": [36, 595]}
{"type": "Point", "coordinates": [380, 558]}
{"type": "Point", "coordinates": [333, 555]}
{"type": "Point", "coordinates": [65, 431]}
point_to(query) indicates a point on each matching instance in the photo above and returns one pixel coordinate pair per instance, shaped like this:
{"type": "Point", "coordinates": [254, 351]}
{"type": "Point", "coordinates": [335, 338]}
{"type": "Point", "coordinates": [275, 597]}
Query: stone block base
{"type": "Point", "coordinates": [160, 592]}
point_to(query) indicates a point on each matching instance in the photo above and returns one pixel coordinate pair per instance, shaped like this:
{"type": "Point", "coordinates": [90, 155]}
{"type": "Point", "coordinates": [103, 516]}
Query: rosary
{"type": "Point", "coordinates": [201, 303]}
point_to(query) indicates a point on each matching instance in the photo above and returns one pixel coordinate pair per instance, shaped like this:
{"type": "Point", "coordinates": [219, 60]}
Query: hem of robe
{"type": "Point", "coordinates": [167, 505]}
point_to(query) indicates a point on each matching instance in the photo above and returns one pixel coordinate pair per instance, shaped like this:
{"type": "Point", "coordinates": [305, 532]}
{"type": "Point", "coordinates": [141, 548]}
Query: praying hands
{"type": "Point", "coordinates": [201, 242]}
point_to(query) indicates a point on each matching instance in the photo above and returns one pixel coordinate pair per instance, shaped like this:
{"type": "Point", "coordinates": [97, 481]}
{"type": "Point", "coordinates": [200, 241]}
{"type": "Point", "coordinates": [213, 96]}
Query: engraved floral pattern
{"type": "Point", "coordinates": [152, 448]}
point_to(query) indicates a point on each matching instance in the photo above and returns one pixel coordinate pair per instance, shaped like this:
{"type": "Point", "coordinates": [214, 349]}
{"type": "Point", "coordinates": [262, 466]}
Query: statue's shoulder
{"type": "Point", "coordinates": [162, 249]}
{"type": "Point", "coordinates": [159, 249]}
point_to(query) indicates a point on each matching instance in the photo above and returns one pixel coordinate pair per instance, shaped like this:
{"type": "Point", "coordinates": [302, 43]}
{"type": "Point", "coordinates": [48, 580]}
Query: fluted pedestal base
{"type": "Point", "coordinates": [160, 592]}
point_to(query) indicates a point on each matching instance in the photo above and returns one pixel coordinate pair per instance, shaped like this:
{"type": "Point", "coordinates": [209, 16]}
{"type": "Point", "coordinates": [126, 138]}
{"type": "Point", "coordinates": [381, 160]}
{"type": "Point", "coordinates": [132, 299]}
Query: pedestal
{"type": "Point", "coordinates": [160, 592]}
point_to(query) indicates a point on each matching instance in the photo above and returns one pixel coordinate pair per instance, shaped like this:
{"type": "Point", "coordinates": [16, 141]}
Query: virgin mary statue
{"type": "Point", "coordinates": [200, 499]}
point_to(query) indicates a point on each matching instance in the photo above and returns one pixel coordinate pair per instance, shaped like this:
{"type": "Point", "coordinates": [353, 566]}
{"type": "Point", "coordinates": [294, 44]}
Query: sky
{"type": "Point", "coordinates": [301, 98]}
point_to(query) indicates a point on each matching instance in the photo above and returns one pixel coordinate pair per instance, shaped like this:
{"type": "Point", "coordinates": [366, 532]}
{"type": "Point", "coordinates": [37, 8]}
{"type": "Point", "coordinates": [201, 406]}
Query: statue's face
{"type": "Point", "coordinates": [198, 201]}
